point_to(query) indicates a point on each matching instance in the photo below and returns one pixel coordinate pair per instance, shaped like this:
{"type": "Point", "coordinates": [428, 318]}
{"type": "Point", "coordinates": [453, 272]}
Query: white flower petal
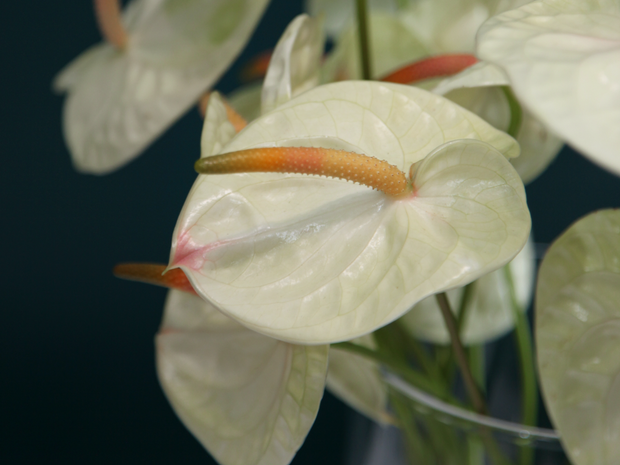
{"type": "Point", "coordinates": [295, 63]}
{"type": "Point", "coordinates": [357, 381]}
{"type": "Point", "coordinates": [474, 89]}
{"type": "Point", "coordinates": [577, 337]}
{"type": "Point", "coordinates": [489, 314]}
{"type": "Point", "coordinates": [247, 398]}
{"type": "Point", "coordinates": [563, 60]}
{"type": "Point", "coordinates": [314, 260]}
{"type": "Point", "coordinates": [120, 101]}
{"type": "Point", "coordinates": [217, 130]}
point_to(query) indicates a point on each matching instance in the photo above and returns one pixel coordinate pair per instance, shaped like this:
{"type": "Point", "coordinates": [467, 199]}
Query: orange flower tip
{"type": "Point", "coordinates": [433, 67]}
{"type": "Point", "coordinates": [369, 171]}
{"type": "Point", "coordinates": [156, 274]}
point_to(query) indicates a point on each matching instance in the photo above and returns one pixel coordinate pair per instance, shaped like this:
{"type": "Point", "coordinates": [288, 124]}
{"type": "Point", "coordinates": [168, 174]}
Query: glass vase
{"type": "Point", "coordinates": [438, 433]}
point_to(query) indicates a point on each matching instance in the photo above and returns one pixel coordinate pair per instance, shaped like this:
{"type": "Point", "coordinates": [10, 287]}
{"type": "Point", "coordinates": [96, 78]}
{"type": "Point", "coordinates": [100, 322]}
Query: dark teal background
{"type": "Point", "coordinates": [78, 382]}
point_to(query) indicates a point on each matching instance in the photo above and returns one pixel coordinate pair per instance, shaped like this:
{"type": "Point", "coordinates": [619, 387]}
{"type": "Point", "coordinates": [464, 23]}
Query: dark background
{"type": "Point", "coordinates": [76, 344]}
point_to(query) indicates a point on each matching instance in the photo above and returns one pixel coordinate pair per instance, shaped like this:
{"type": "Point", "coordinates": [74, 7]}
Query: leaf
{"type": "Point", "coordinates": [561, 58]}
{"type": "Point", "coordinates": [120, 101]}
{"type": "Point", "coordinates": [357, 381]}
{"type": "Point", "coordinates": [247, 398]}
{"type": "Point", "coordinates": [295, 63]}
{"type": "Point", "coordinates": [578, 337]}
{"type": "Point", "coordinates": [489, 313]}
{"type": "Point", "coordinates": [315, 260]}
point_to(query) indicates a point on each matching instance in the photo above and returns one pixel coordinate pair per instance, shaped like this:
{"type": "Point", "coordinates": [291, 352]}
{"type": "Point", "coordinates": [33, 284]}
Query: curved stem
{"type": "Point", "coordinates": [108, 13]}
{"type": "Point", "coordinates": [459, 352]}
{"type": "Point", "coordinates": [364, 39]}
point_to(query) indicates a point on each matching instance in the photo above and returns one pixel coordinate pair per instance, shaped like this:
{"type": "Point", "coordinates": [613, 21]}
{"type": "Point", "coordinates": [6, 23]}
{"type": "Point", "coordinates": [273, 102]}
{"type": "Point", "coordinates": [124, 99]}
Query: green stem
{"type": "Point", "coordinates": [529, 385]}
{"type": "Point", "coordinates": [516, 112]}
{"type": "Point", "coordinates": [468, 294]}
{"type": "Point", "coordinates": [402, 369]}
{"type": "Point", "coordinates": [459, 352]}
{"type": "Point", "coordinates": [364, 35]}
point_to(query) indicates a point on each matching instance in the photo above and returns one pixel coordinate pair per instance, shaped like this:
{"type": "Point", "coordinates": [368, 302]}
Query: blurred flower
{"type": "Point", "coordinates": [160, 56]}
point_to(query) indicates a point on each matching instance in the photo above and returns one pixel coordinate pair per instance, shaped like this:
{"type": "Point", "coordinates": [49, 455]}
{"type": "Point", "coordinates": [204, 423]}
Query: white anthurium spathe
{"type": "Point", "coordinates": [563, 61]}
{"type": "Point", "coordinates": [358, 381]}
{"type": "Point", "coordinates": [247, 398]}
{"type": "Point", "coordinates": [295, 64]}
{"type": "Point", "coordinates": [121, 100]}
{"type": "Point", "coordinates": [476, 89]}
{"type": "Point", "coordinates": [578, 337]}
{"type": "Point", "coordinates": [489, 312]}
{"type": "Point", "coordinates": [311, 259]}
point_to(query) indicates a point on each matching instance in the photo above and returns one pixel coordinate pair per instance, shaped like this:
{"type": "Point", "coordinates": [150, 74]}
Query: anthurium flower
{"type": "Point", "coordinates": [159, 57]}
{"type": "Point", "coordinates": [577, 334]}
{"type": "Point", "coordinates": [248, 398]}
{"type": "Point", "coordinates": [489, 312]}
{"type": "Point", "coordinates": [313, 260]}
{"type": "Point", "coordinates": [561, 58]}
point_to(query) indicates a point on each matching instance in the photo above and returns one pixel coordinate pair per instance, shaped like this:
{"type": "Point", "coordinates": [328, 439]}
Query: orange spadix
{"type": "Point", "coordinates": [433, 67]}
{"type": "Point", "coordinates": [108, 13]}
{"type": "Point", "coordinates": [151, 273]}
{"type": "Point", "coordinates": [350, 166]}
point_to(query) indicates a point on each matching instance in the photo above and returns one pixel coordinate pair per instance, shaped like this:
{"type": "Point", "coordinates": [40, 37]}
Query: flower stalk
{"type": "Point", "coordinates": [108, 13]}
{"type": "Point", "coordinates": [364, 38]}
{"type": "Point", "coordinates": [461, 358]}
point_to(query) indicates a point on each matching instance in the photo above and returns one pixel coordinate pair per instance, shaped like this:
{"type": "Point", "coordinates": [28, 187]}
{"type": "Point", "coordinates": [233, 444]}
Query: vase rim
{"type": "Point", "coordinates": [531, 433]}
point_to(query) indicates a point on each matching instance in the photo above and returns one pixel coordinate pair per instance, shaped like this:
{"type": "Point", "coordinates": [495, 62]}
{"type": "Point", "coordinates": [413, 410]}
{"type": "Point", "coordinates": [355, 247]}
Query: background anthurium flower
{"type": "Point", "coordinates": [295, 63]}
{"type": "Point", "coordinates": [121, 100]}
{"type": "Point", "coordinates": [248, 399]}
{"type": "Point", "coordinates": [476, 89]}
{"type": "Point", "coordinates": [562, 58]}
{"type": "Point", "coordinates": [577, 334]}
{"type": "Point", "coordinates": [314, 260]}
{"type": "Point", "coordinates": [489, 311]}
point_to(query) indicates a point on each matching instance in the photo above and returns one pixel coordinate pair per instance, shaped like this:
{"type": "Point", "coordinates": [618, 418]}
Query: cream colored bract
{"type": "Point", "coordinates": [577, 334]}
{"type": "Point", "coordinates": [313, 260]}
{"type": "Point", "coordinates": [120, 101]}
{"type": "Point", "coordinates": [563, 61]}
{"type": "Point", "coordinates": [489, 313]}
{"type": "Point", "coordinates": [247, 398]}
